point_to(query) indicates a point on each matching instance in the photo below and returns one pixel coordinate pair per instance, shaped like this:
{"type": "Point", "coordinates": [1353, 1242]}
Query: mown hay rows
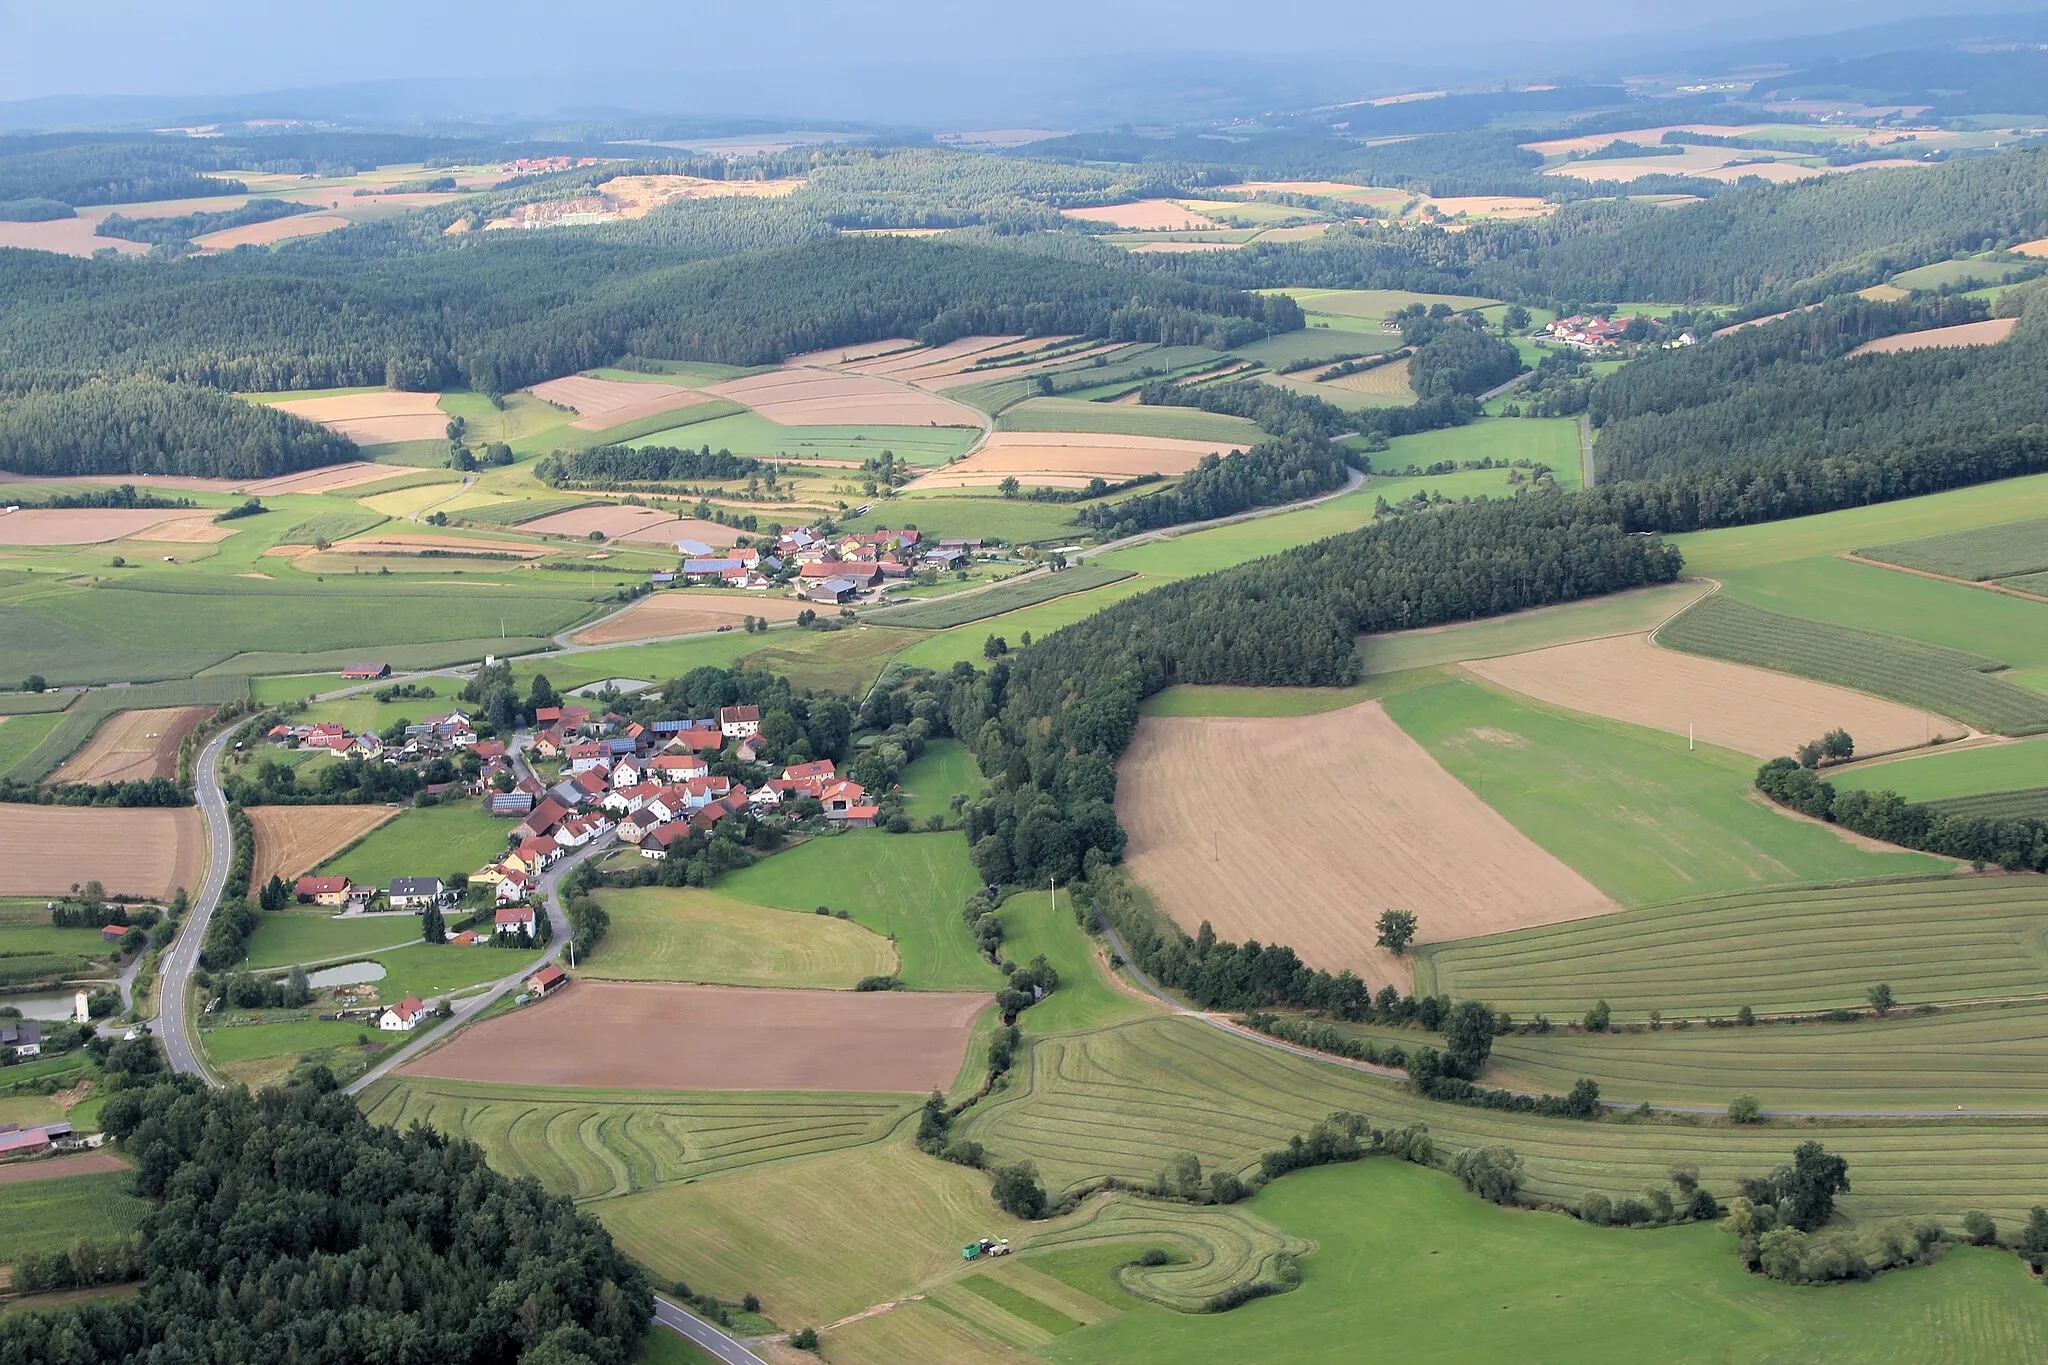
{"type": "Point", "coordinates": [1219, 1247]}
{"type": "Point", "coordinates": [2030, 803]}
{"type": "Point", "coordinates": [1946, 681]}
{"type": "Point", "coordinates": [1933, 941]}
{"type": "Point", "coordinates": [1151, 1089]}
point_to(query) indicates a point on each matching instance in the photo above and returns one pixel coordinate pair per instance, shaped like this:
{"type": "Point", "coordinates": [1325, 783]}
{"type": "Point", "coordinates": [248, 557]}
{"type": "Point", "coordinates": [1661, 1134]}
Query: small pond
{"type": "Point", "coordinates": [58, 1005]}
{"type": "Point", "coordinates": [347, 974]}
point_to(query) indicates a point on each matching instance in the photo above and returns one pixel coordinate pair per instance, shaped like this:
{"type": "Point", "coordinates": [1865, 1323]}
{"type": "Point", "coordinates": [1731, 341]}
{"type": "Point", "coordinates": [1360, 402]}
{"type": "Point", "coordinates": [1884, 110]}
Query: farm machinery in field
{"type": "Point", "coordinates": [987, 1246]}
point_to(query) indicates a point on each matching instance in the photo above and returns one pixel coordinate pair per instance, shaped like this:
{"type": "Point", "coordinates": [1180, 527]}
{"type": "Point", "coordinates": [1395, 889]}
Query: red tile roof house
{"type": "Point", "coordinates": [322, 890]}
{"type": "Point", "coordinates": [327, 735]}
{"type": "Point", "coordinates": [675, 767]}
{"type": "Point", "coordinates": [697, 741]}
{"type": "Point", "coordinates": [543, 820]}
{"type": "Point", "coordinates": [654, 844]}
{"type": "Point", "coordinates": [404, 1016]}
{"type": "Point", "coordinates": [511, 891]}
{"type": "Point", "coordinates": [366, 672]}
{"type": "Point", "coordinates": [511, 919]}
{"type": "Point", "coordinates": [819, 768]}
{"type": "Point", "coordinates": [734, 721]}
{"type": "Point", "coordinates": [32, 1142]}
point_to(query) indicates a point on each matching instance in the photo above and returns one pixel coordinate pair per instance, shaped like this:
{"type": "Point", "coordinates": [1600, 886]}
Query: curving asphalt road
{"type": "Point", "coordinates": [174, 1023]}
{"type": "Point", "coordinates": [702, 1334]}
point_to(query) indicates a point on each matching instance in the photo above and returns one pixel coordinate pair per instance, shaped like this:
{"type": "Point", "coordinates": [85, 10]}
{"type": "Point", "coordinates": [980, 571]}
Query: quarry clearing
{"type": "Point", "coordinates": [293, 840]}
{"type": "Point", "coordinates": [134, 746]}
{"type": "Point", "coordinates": [1751, 710]}
{"type": "Point", "coordinates": [1071, 459]}
{"type": "Point", "coordinates": [374, 418]}
{"type": "Point", "coordinates": [144, 851]}
{"type": "Point", "coordinates": [685, 613]}
{"type": "Point", "coordinates": [1301, 830]}
{"type": "Point", "coordinates": [804, 397]}
{"type": "Point", "coordinates": [1989, 332]}
{"type": "Point", "coordinates": [657, 1036]}
{"type": "Point", "coordinates": [602, 403]}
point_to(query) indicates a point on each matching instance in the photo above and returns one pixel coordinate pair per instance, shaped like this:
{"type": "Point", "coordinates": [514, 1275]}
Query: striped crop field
{"type": "Point", "coordinates": [1988, 1058]}
{"type": "Point", "coordinates": [2029, 803]}
{"type": "Point", "coordinates": [1214, 1247]}
{"type": "Point", "coordinates": [1124, 1100]}
{"type": "Point", "coordinates": [1946, 681]}
{"type": "Point", "coordinates": [1986, 552]}
{"type": "Point", "coordinates": [596, 1144]}
{"type": "Point", "coordinates": [1934, 942]}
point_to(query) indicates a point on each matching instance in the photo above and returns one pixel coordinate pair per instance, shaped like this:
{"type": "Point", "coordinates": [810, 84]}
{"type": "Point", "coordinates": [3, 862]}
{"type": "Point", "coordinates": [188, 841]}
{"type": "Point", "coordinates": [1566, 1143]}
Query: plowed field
{"type": "Point", "coordinates": [142, 852]}
{"type": "Point", "coordinates": [374, 418]}
{"type": "Point", "coordinates": [603, 403]}
{"type": "Point", "coordinates": [81, 525]}
{"type": "Point", "coordinates": [640, 525]}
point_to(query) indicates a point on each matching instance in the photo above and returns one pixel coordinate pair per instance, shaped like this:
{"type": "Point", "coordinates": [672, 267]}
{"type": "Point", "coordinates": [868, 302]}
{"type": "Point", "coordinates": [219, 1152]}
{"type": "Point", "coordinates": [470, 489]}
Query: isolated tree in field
{"type": "Point", "coordinates": [1808, 1189]}
{"type": "Point", "coordinates": [433, 927]}
{"type": "Point", "coordinates": [1881, 998]}
{"type": "Point", "coordinates": [1598, 1017]}
{"type": "Point", "coordinates": [1744, 1109]}
{"type": "Point", "coordinates": [1468, 1037]}
{"type": "Point", "coordinates": [1837, 745]}
{"type": "Point", "coordinates": [994, 647]}
{"type": "Point", "coordinates": [34, 683]}
{"type": "Point", "coordinates": [1397, 930]}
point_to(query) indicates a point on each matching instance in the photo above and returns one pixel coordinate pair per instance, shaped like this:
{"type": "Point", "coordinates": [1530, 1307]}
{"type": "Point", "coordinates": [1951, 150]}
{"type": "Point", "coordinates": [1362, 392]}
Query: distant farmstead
{"type": "Point", "coordinates": [366, 672]}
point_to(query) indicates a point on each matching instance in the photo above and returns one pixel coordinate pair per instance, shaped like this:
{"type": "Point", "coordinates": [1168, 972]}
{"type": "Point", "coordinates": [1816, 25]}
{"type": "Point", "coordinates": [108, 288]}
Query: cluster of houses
{"type": "Point", "coordinates": [829, 569]}
{"type": "Point", "coordinates": [433, 737]}
{"type": "Point", "coordinates": [1589, 333]}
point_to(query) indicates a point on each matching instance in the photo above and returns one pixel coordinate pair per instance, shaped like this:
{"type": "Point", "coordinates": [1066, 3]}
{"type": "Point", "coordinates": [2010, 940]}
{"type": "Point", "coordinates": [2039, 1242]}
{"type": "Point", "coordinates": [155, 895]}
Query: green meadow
{"type": "Point", "coordinates": [1961, 772]}
{"type": "Point", "coordinates": [439, 841]}
{"type": "Point", "coordinates": [944, 770]}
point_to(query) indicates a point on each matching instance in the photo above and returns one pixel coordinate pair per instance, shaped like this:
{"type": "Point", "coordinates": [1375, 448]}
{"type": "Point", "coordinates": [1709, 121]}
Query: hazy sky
{"type": "Point", "coordinates": [228, 46]}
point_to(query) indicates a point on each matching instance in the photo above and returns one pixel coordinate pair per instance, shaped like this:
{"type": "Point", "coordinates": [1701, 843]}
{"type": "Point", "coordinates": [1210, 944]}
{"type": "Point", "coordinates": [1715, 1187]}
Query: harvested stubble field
{"type": "Point", "coordinates": [930, 362]}
{"type": "Point", "coordinates": [82, 525]}
{"type": "Point", "coordinates": [1145, 215]}
{"type": "Point", "coordinates": [376, 418]}
{"type": "Point", "coordinates": [1071, 459]}
{"type": "Point", "coordinates": [133, 746]}
{"type": "Point", "coordinates": [415, 543]}
{"type": "Point", "coordinates": [1953, 682]}
{"type": "Point", "coordinates": [1123, 1100]}
{"type": "Point", "coordinates": [595, 1144]}
{"type": "Point", "coordinates": [1987, 333]}
{"type": "Point", "coordinates": [601, 403]}
{"type": "Point", "coordinates": [659, 934]}
{"type": "Point", "coordinates": [718, 1038]}
{"type": "Point", "coordinates": [1595, 618]}
{"type": "Point", "coordinates": [1934, 942]}
{"type": "Point", "coordinates": [1385, 381]}
{"type": "Point", "coordinates": [271, 233]}
{"type": "Point", "coordinates": [1214, 1246]}
{"type": "Point", "coordinates": [1331, 819]}
{"type": "Point", "coordinates": [662, 614]}
{"type": "Point", "coordinates": [293, 840]}
{"type": "Point", "coordinates": [141, 852]}
{"type": "Point", "coordinates": [806, 397]}
{"type": "Point", "coordinates": [635, 525]}
{"type": "Point", "coordinates": [329, 479]}
{"type": "Point", "coordinates": [1751, 710]}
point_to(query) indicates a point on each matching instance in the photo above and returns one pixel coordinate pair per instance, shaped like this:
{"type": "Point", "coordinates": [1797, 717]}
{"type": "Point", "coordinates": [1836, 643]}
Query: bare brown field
{"type": "Point", "coordinates": [1146, 215]}
{"type": "Point", "coordinates": [602, 403]}
{"type": "Point", "coordinates": [639, 525]}
{"type": "Point", "coordinates": [1071, 459]}
{"type": "Point", "coordinates": [133, 746]}
{"type": "Point", "coordinates": [2037, 247]}
{"type": "Point", "coordinates": [181, 482]}
{"type": "Point", "coordinates": [199, 530]}
{"type": "Point", "coordinates": [402, 542]}
{"type": "Point", "coordinates": [717, 1038]}
{"type": "Point", "coordinates": [1989, 332]}
{"type": "Point", "coordinates": [805, 397]}
{"type": "Point", "coordinates": [80, 525]}
{"type": "Point", "coordinates": [326, 479]}
{"type": "Point", "coordinates": [1390, 380]}
{"type": "Point", "coordinates": [1328, 820]}
{"type": "Point", "coordinates": [57, 1167]}
{"type": "Point", "coordinates": [684, 613]}
{"type": "Point", "coordinates": [636, 196]}
{"type": "Point", "coordinates": [67, 236]}
{"type": "Point", "coordinates": [1734, 706]}
{"type": "Point", "coordinates": [271, 233]}
{"type": "Point", "coordinates": [141, 852]}
{"type": "Point", "coordinates": [293, 840]}
{"type": "Point", "coordinates": [1491, 206]}
{"type": "Point", "coordinates": [374, 418]}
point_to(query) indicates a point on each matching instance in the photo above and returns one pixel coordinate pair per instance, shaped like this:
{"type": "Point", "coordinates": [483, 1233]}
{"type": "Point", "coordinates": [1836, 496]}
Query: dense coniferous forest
{"type": "Point", "coordinates": [647, 464]}
{"type": "Point", "coordinates": [1271, 472]}
{"type": "Point", "coordinates": [290, 1228]}
{"type": "Point", "coordinates": [181, 228]}
{"type": "Point", "coordinates": [145, 426]}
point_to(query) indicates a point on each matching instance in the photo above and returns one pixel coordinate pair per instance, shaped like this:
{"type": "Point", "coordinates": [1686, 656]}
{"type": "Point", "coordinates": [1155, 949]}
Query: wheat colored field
{"type": "Point", "coordinates": [271, 233]}
{"type": "Point", "coordinates": [2037, 247]}
{"type": "Point", "coordinates": [954, 356]}
{"type": "Point", "coordinates": [1989, 332]}
{"type": "Point", "coordinates": [374, 418]}
{"type": "Point", "coordinates": [602, 403]}
{"type": "Point", "coordinates": [683, 613]}
{"type": "Point", "coordinates": [806, 398]}
{"type": "Point", "coordinates": [1734, 706]}
{"type": "Point", "coordinates": [133, 746]}
{"type": "Point", "coordinates": [1146, 215]}
{"type": "Point", "coordinates": [1071, 459]}
{"type": "Point", "coordinates": [46, 850]}
{"type": "Point", "coordinates": [614, 1035]}
{"type": "Point", "coordinates": [1301, 831]}
{"type": "Point", "coordinates": [293, 840]}
{"type": "Point", "coordinates": [81, 525]}
{"type": "Point", "coordinates": [1388, 380]}
{"type": "Point", "coordinates": [323, 480]}
{"type": "Point", "coordinates": [637, 525]}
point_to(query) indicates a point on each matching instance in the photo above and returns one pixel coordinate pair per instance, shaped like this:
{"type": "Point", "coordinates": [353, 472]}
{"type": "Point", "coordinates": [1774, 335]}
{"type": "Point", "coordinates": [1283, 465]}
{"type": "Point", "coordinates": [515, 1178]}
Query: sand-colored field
{"type": "Point", "coordinates": [1881, 293]}
{"type": "Point", "coordinates": [401, 542]}
{"type": "Point", "coordinates": [293, 840]}
{"type": "Point", "coordinates": [619, 1035]}
{"type": "Point", "coordinates": [1301, 831]}
{"type": "Point", "coordinates": [809, 398]}
{"type": "Point", "coordinates": [602, 403]}
{"type": "Point", "coordinates": [1070, 459]}
{"type": "Point", "coordinates": [271, 233]}
{"type": "Point", "coordinates": [325, 479]}
{"type": "Point", "coordinates": [637, 525]}
{"type": "Point", "coordinates": [1642, 137]}
{"type": "Point", "coordinates": [1750, 710]}
{"type": "Point", "coordinates": [1326, 189]}
{"type": "Point", "coordinates": [46, 850]}
{"type": "Point", "coordinates": [185, 483]}
{"type": "Point", "coordinates": [56, 1167]}
{"type": "Point", "coordinates": [849, 355]}
{"type": "Point", "coordinates": [2037, 247]}
{"type": "Point", "coordinates": [1182, 248]}
{"type": "Point", "coordinates": [1989, 332]}
{"type": "Point", "coordinates": [133, 746]}
{"type": "Point", "coordinates": [68, 236]}
{"type": "Point", "coordinates": [199, 530]}
{"type": "Point", "coordinates": [951, 358]}
{"type": "Point", "coordinates": [683, 613]}
{"type": "Point", "coordinates": [1389, 380]}
{"type": "Point", "coordinates": [82, 525]}
{"type": "Point", "coordinates": [1492, 206]}
{"type": "Point", "coordinates": [1146, 215]}
{"type": "Point", "coordinates": [374, 418]}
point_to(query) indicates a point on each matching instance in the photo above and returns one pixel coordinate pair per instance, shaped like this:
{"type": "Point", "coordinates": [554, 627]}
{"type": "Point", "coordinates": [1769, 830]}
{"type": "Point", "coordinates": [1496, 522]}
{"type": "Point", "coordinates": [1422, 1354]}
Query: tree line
{"type": "Point", "coordinates": [608, 465]}
{"type": "Point", "coordinates": [2015, 843]}
{"type": "Point", "coordinates": [140, 425]}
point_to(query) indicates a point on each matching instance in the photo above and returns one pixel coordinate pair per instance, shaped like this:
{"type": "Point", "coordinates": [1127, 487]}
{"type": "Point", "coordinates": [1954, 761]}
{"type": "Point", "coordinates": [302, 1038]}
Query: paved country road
{"type": "Point", "coordinates": [174, 1023]}
{"type": "Point", "coordinates": [701, 1333]}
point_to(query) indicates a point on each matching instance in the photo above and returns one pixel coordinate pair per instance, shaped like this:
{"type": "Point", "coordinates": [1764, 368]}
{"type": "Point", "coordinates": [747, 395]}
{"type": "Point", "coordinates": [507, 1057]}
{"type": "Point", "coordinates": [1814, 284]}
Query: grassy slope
{"type": "Point", "coordinates": [1595, 618]}
{"type": "Point", "coordinates": [1013, 596]}
{"type": "Point", "coordinates": [1962, 772]}
{"type": "Point", "coordinates": [1450, 1278]}
{"type": "Point", "coordinates": [659, 934]}
{"type": "Point", "coordinates": [292, 936]}
{"type": "Point", "coordinates": [908, 886]}
{"type": "Point", "coordinates": [943, 649]}
{"type": "Point", "coordinates": [19, 736]}
{"type": "Point", "coordinates": [944, 770]}
{"type": "Point", "coordinates": [1203, 699]}
{"type": "Point", "coordinates": [1636, 813]}
{"type": "Point", "coordinates": [439, 841]}
{"type": "Point", "coordinates": [1960, 939]}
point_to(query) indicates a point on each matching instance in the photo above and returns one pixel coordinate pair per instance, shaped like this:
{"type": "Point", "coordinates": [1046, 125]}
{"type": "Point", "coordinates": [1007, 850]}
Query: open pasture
{"type": "Point", "coordinates": [1979, 770]}
{"type": "Point", "coordinates": [683, 934]}
{"type": "Point", "coordinates": [143, 851]}
{"type": "Point", "coordinates": [21, 736]}
{"type": "Point", "coordinates": [944, 770]}
{"type": "Point", "coordinates": [634, 525]}
{"type": "Point", "coordinates": [717, 1038]}
{"type": "Point", "coordinates": [1751, 710]}
{"type": "Point", "coordinates": [663, 614]}
{"type": "Point", "coordinates": [316, 934]}
{"type": "Point", "coordinates": [1594, 618]}
{"type": "Point", "coordinates": [943, 649]}
{"type": "Point", "coordinates": [1633, 810]}
{"type": "Point", "coordinates": [1963, 685]}
{"type": "Point", "coordinates": [1071, 459]}
{"type": "Point", "coordinates": [1330, 820]}
{"type": "Point", "coordinates": [958, 609]}
{"type": "Point", "coordinates": [1796, 949]}
{"type": "Point", "coordinates": [86, 525]}
{"type": "Point", "coordinates": [1214, 1247]}
{"type": "Point", "coordinates": [807, 397]}
{"type": "Point", "coordinates": [133, 746]}
{"type": "Point", "coordinates": [595, 1144]}
{"type": "Point", "coordinates": [1987, 333]}
{"type": "Point", "coordinates": [378, 417]}
{"type": "Point", "coordinates": [438, 841]}
{"type": "Point", "coordinates": [601, 403]}
{"type": "Point", "coordinates": [293, 840]}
